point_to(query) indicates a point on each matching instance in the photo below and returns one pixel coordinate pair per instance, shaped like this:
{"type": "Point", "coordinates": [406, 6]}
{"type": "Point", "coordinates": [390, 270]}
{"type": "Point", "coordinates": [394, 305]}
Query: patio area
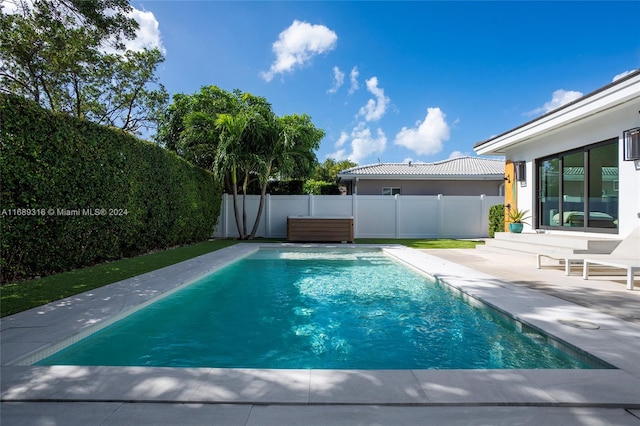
{"type": "Point", "coordinates": [134, 395]}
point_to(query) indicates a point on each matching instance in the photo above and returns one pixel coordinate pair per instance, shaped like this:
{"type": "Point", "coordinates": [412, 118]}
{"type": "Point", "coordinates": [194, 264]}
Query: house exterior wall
{"type": "Point", "coordinates": [431, 187]}
{"type": "Point", "coordinates": [593, 129]}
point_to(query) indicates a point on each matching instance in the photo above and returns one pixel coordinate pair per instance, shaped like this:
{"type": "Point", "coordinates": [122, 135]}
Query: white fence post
{"type": "Point", "coordinates": [440, 214]}
{"type": "Point", "coordinates": [225, 215]}
{"type": "Point", "coordinates": [397, 213]}
{"type": "Point", "coordinates": [484, 209]}
{"type": "Point", "coordinates": [267, 215]}
{"type": "Point", "coordinates": [354, 213]}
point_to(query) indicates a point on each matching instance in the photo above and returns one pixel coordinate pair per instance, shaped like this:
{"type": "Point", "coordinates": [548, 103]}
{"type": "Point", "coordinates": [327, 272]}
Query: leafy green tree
{"type": "Point", "coordinates": [288, 153]}
{"type": "Point", "coordinates": [325, 177]}
{"type": "Point", "coordinates": [120, 93]}
{"type": "Point", "coordinates": [238, 136]}
{"type": "Point", "coordinates": [234, 157]}
{"type": "Point", "coordinates": [320, 187]}
{"type": "Point", "coordinates": [328, 171]}
{"type": "Point", "coordinates": [54, 52]}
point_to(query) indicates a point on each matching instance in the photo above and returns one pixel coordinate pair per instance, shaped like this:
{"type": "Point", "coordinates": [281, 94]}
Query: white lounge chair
{"type": "Point", "coordinates": [626, 255]}
{"type": "Point", "coordinates": [568, 259]}
{"type": "Point", "coordinates": [631, 265]}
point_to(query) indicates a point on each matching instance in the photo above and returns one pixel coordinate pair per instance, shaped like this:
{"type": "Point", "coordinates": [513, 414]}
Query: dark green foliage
{"type": "Point", "coordinates": [496, 219]}
{"type": "Point", "coordinates": [318, 187]}
{"type": "Point", "coordinates": [328, 171]}
{"type": "Point", "coordinates": [324, 180]}
{"type": "Point", "coordinates": [51, 162]}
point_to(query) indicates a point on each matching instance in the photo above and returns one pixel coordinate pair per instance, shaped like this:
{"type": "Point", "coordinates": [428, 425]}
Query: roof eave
{"type": "Point", "coordinates": [611, 96]}
{"type": "Point", "coordinates": [423, 177]}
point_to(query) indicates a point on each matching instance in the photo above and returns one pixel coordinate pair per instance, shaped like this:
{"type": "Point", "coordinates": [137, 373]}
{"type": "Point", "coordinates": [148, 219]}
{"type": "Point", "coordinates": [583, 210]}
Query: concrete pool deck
{"type": "Point", "coordinates": [126, 395]}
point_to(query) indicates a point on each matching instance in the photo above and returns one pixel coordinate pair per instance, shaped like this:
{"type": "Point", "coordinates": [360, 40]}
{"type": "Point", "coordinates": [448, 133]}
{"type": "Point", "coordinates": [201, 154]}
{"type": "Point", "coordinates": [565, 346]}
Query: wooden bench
{"type": "Point", "coordinates": [319, 229]}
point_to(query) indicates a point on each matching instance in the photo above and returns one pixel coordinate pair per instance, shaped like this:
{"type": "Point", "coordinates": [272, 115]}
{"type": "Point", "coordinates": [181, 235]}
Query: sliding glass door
{"type": "Point", "coordinates": [577, 190]}
{"type": "Point", "coordinates": [549, 192]}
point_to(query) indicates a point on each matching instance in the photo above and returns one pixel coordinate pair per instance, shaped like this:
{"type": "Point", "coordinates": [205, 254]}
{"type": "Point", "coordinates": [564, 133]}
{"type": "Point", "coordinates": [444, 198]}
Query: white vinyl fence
{"type": "Point", "coordinates": [375, 216]}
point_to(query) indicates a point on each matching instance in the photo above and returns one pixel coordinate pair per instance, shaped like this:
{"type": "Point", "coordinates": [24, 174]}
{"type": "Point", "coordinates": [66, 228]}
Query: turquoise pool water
{"type": "Point", "coordinates": [339, 309]}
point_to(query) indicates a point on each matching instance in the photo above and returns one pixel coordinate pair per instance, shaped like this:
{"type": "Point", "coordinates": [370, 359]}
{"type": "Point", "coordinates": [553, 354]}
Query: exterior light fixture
{"type": "Point", "coordinates": [631, 140]}
{"type": "Point", "coordinates": [520, 169]}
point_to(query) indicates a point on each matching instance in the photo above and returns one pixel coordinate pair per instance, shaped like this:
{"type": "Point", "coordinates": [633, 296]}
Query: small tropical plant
{"type": "Point", "coordinates": [518, 216]}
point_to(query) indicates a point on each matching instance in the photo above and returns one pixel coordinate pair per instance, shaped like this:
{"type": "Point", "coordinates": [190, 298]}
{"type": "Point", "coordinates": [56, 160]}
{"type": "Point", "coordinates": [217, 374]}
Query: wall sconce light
{"type": "Point", "coordinates": [631, 140]}
{"type": "Point", "coordinates": [520, 169]}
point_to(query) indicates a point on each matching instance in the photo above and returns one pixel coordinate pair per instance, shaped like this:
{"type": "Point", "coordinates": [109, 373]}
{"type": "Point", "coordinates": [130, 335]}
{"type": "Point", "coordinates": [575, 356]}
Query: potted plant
{"type": "Point", "coordinates": [517, 219]}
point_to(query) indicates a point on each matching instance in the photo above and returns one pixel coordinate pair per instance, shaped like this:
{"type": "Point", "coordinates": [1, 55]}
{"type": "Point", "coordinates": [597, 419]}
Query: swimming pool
{"type": "Point", "coordinates": [339, 309]}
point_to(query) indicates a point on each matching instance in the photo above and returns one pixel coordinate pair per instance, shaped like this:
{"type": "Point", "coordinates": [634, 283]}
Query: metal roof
{"type": "Point", "coordinates": [455, 168]}
{"type": "Point", "coordinates": [579, 171]}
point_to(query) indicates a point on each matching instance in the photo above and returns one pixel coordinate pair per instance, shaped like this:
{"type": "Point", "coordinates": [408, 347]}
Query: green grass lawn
{"type": "Point", "coordinates": [31, 293]}
{"type": "Point", "coordinates": [423, 243]}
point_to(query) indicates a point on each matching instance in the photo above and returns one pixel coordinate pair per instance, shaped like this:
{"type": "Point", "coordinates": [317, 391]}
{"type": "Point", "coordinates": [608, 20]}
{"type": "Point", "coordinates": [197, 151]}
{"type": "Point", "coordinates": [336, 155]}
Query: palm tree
{"type": "Point", "coordinates": [239, 152]}
{"type": "Point", "coordinates": [289, 150]}
{"type": "Point", "coordinates": [229, 156]}
{"type": "Point", "coordinates": [239, 137]}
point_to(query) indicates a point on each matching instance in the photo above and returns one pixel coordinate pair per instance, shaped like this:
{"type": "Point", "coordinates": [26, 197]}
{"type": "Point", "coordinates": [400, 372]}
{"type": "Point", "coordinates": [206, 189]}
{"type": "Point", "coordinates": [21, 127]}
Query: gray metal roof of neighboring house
{"type": "Point", "coordinates": [455, 168]}
{"type": "Point", "coordinates": [579, 171]}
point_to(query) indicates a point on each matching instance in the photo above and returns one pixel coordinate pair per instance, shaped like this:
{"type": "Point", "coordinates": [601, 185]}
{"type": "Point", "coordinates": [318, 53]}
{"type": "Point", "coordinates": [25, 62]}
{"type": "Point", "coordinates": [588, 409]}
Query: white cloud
{"type": "Point", "coordinates": [560, 97]}
{"type": "Point", "coordinates": [148, 34]}
{"type": "Point", "coordinates": [9, 7]}
{"type": "Point", "coordinates": [342, 139]}
{"type": "Point", "coordinates": [297, 45]}
{"type": "Point", "coordinates": [338, 155]}
{"type": "Point", "coordinates": [375, 108]}
{"type": "Point", "coordinates": [426, 137]}
{"type": "Point", "coordinates": [338, 80]}
{"type": "Point", "coordinates": [353, 76]}
{"type": "Point", "coordinates": [457, 154]}
{"type": "Point", "coordinates": [622, 74]}
{"type": "Point", "coordinates": [363, 144]}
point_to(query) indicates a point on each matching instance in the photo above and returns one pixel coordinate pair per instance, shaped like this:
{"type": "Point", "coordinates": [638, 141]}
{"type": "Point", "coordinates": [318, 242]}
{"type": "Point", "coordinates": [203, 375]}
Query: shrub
{"type": "Point", "coordinates": [496, 219]}
{"type": "Point", "coordinates": [319, 187]}
{"type": "Point", "coordinates": [75, 193]}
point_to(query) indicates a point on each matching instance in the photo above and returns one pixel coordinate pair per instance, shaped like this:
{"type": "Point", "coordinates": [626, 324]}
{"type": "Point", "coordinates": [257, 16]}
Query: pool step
{"type": "Point", "coordinates": [549, 243]}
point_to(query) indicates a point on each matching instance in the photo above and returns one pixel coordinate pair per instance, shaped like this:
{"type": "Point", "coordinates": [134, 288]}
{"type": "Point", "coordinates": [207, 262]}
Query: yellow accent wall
{"type": "Point", "coordinates": [510, 191]}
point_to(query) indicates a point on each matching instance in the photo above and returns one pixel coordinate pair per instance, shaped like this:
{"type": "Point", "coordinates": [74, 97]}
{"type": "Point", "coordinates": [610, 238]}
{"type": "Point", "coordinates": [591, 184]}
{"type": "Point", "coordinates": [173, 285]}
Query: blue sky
{"type": "Point", "coordinates": [396, 81]}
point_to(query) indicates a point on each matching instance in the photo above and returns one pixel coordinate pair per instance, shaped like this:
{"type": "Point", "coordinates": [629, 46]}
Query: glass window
{"type": "Point", "coordinates": [579, 189]}
{"type": "Point", "coordinates": [549, 201]}
{"type": "Point", "coordinates": [603, 187]}
{"type": "Point", "coordinates": [390, 191]}
{"type": "Point", "coordinates": [573, 189]}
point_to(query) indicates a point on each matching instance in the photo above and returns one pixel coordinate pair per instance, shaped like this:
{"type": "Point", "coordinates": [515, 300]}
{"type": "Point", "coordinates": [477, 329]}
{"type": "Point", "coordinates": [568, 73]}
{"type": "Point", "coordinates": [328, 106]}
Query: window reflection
{"type": "Point", "coordinates": [563, 181]}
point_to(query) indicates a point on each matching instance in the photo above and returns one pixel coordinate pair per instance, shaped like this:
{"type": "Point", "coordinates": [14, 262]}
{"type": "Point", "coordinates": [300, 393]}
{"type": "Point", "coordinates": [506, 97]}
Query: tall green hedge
{"type": "Point", "coordinates": [73, 193]}
{"type": "Point", "coordinates": [496, 219]}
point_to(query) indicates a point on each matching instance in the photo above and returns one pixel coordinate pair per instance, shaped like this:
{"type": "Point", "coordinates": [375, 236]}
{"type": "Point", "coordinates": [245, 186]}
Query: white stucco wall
{"type": "Point", "coordinates": [593, 129]}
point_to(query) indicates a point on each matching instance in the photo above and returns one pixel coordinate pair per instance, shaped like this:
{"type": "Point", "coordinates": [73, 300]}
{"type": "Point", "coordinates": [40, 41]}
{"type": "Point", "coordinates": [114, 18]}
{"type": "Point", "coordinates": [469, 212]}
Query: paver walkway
{"type": "Point", "coordinates": [603, 293]}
